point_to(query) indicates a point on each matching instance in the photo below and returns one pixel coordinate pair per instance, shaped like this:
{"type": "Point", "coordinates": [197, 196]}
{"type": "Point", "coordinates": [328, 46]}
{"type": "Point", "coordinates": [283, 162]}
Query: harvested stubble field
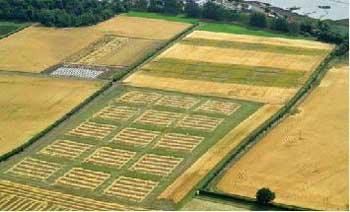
{"type": "Point", "coordinates": [268, 70]}
{"type": "Point", "coordinates": [123, 160]}
{"type": "Point", "coordinates": [305, 159]}
{"type": "Point", "coordinates": [23, 115]}
{"type": "Point", "coordinates": [120, 41]}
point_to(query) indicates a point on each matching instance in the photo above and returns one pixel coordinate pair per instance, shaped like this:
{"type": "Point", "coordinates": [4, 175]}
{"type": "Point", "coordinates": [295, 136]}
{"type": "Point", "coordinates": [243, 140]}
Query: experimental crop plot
{"type": "Point", "coordinates": [138, 97]}
{"type": "Point", "coordinates": [106, 156]}
{"type": "Point", "coordinates": [199, 122]}
{"type": "Point", "coordinates": [158, 118]}
{"type": "Point", "coordinates": [16, 203]}
{"type": "Point", "coordinates": [110, 45]}
{"type": "Point", "coordinates": [179, 142]}
{"type": "Point", "coordinates": [182, 102]}
{"type": "Point", "coordinates": [83, 178]}
{"type": "Point", "coordinates": [212, 106]}
{"type": "Point", "coordinates": [134, 136]}
{"type": "Point", "coordinates": [31, 167]}
{"type": "Point", "coordinates": [59, 201]}
{"type": "Point", "coordinates": [77, 72]}
{"type": "Point", "coordinates": [93, 130]}
{"type": "Point", "coordinates": [65, 149]}
{"type": "Point", "coordinates": [156, 164]}
{"type": "Point", "coordinates": [131, 188]}
{"type": "Point", "coordinates": [122, 113]}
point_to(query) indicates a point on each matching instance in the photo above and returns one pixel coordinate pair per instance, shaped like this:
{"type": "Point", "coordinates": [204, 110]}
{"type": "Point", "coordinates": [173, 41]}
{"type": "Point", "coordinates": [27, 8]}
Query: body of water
{"type": "Point", "coordinates": [339, 8]}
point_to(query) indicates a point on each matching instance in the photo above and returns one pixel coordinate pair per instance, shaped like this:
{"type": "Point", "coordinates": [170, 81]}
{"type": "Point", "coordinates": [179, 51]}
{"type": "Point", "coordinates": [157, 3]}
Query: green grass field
{"type": "Point", "coordinates": [225, 73]}
{"type": "Point", "coordinates": [216, 26]}
{"type": "Point", "coordinates": [209, 137]}
{"type": "Point", "coordinates": [10, 27]}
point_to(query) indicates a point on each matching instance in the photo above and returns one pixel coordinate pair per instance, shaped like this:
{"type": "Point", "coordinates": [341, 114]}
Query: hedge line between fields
{"type": "Point", "coordinates": [121, 74]}
{"type": "Point", "coordinates": [55, 124]}
{"type": "Point", "coordinates": [206, 184]}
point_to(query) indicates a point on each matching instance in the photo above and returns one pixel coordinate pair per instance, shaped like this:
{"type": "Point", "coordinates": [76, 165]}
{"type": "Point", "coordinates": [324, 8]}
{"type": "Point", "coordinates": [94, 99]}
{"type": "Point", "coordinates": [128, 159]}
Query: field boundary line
{"type": "Point", "coordinates": [48, 129]}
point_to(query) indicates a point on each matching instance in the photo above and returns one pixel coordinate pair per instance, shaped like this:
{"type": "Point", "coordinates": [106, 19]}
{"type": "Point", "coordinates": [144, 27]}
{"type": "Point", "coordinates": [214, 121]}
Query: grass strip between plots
{"type": "Point", "coordinates": [226, 73]}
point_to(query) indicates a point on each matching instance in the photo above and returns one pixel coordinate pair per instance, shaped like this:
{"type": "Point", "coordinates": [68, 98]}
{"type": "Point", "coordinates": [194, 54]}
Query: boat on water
{"type": "Point", "coordinates": [293, 8]}
{"type": "Point", "coordinates": [324, 7]}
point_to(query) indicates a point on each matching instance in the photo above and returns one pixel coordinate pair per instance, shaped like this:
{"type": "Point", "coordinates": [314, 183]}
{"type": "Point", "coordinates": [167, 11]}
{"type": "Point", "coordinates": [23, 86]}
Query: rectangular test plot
{"type": "Point", "coordinates": [31, 167]}
{"type": "Point", "coordinates": [138, 97]}
{"type": "Point", "coordinates": [106, 156]}
{"type": "Point", "coordinates": [179, 142]}
{"type": "Point", "coordinates": [83, 178]}
{"type": "Point", "coordinates": [182, 102]}
{"type": "Point", "coordinates": [156, 164]}
{"type": "Point", "coordinates": [65, 149]}
{"type": "Point", "coordinates": [92, 130]}
{"type": "Point", "coordinates": [121, 113]}
{"type": "Point", "coordinates": [199, 122]}
{"type": "Point", "coordinates": [131, 188]}
{"type": "Point", "coordinates": [212, 106]}
{"type": "Point", "coordinates": [135, 137]}
{"type": "Point", "coordinates": [158, 118]}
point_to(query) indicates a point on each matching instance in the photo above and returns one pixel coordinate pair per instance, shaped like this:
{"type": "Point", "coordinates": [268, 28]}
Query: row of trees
{"type": "Point", "coordinates": [321, 30]}
{"type": "Point", "coordinates": [61, 13]}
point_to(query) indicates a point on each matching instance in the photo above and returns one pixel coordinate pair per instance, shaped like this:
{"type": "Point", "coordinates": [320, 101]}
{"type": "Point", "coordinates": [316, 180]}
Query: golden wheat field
{"type": "Point", "coordinates": [178, 190]}
{"type": "Point", "coordinates": [267, 58]}
{"type": "Point", "coordinates": [30, 104]}
{"type": "Point", "coordinates": [258, 39]}
{"type": "Point", "coordinates": [141, 27]}
{"type": "Point", "coordinates": [305, 159]}
{"type": "Point", "coordinates": [37, 48]}
{"type": "Point", "coordinates": [272, 95]}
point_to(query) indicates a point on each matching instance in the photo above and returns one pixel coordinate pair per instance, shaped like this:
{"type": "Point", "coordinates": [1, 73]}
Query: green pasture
{"type": "Point", "coordinates": [211, 26]}
{"type": "Point", "coordinates": [7, 28]}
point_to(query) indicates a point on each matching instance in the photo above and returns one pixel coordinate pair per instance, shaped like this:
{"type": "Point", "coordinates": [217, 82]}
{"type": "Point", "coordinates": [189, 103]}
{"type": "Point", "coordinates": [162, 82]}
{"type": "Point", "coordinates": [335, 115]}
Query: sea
{"type": "Point", "coordinates": [339, 8]}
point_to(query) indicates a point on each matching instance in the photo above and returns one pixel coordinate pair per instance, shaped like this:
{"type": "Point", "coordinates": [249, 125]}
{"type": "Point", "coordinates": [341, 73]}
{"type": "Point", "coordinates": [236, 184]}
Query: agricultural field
{"type": "Point", "coordinates": [116, 43]}
{"type": "Point", "coordinates": [7, 28]}
{"type": "Point", "coordinates": [30, 104]}
{"type": "Point", "coordinates": [268, 70]}
{"type": "Point", "coordinates": [305, 159]}
{"type": "Point", "coordinates": [126, 149]}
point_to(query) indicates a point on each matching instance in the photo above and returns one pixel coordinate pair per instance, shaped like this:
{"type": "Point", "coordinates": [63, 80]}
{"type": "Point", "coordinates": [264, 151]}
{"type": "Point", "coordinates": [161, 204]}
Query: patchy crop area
{"type": "Point", "coordinates": [126, 149]}
{"type": "Point", "coordinates": [305, 159]}
{"type": "Point", "coordinates": [31, 104]}
{"type": "Point", "coordinates": [255, 68]}
{"type": "Point", "coordinates": [118, 43]}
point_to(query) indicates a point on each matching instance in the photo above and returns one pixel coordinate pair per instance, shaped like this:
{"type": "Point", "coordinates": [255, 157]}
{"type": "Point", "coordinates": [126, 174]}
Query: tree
{"type": "Point", "coordinates": [258, 20]}
{"type": "Point", "coordinates": [213, 11]}
{"type": "Point", "coordinates": [280, 24]}
{"type": "Point", "coordinates": [306, 28]}
{"type": "Point", "coordinates": [156, 6]}
{"type": "Point", "coordinates": [192, 9]}
{"type": "Point", "coordinates": [140, 5]}
{"type": "Point", "coordinates": [265, 196]}
{"type": "Point", "coordinates": [172, 7]}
